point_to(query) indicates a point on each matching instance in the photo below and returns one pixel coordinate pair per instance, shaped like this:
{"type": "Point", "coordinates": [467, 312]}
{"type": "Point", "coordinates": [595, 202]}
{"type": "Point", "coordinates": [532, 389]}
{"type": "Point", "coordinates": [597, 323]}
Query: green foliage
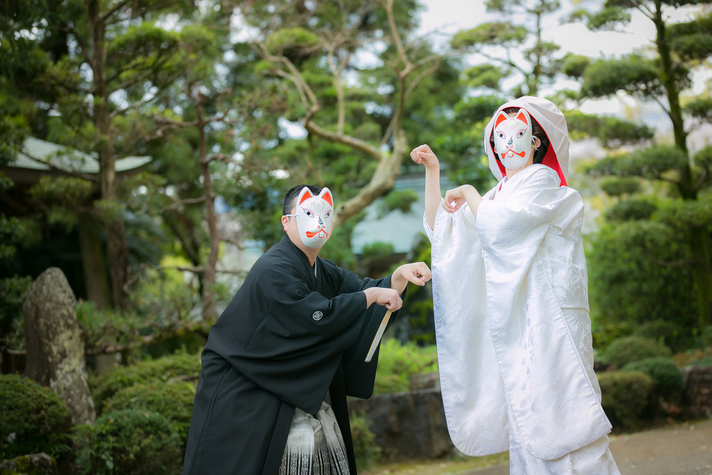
{"type": "Point", "coordinates": [667, 377]}
{"type": "Point", "coordinates": [377, 251]}
{"type": "Point", "coordinates": [12, 231]}
{"type": "Point", "coordinates": [610, 131]}
{"type": "Point", "coordinates": [144, 372]}
{"type": "Point", "coordinates": [604, 335]}
{"type": "Point", "coordinates": [398, 363]}
{"type": "Point", "coordinates": [608, 18]}
{"type": "Point", "coordinates": [397, 200]}
{"type": "Point", "coordinates": [631, 349]}
{"type": "Point", "coordinates": [484, 75]}
{"type": "Point", "coordinates": [626, 395]}
{"type": "Point", "coordinates": [627, 282]}
{"type": "Point", "coordinates": [648, 163]}
{"type": "Point", "coordinates": [32, 418]}
{"type": "Point", "coordinates": [366, 451]}
{"type": "Point", "coordinates": [700, 108]}
{"type": "Point", "coordinates": [574, 65]}
{"type": "Point", "coordinates": [491, 33]}
{"type": "Point", "coordinates": [630, 210]}
{"type": "Point", "coordinates": [174, 401]}
{"type": "Point", "coordinates": [666, 333]}
{"type": "Point", "coordinates": [127, 442]}
{"type": "Point", "coordinates": [633, 74]}
{"type": "Point", "coordinates": [291, 38]}
{"type": "Point", "coordinates": [615, 186]}
{"type": "Point", "coordinates": [684, 215]}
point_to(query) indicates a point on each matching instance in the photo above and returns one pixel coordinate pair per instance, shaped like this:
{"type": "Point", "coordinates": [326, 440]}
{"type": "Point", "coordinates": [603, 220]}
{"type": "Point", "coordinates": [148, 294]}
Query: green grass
{"type": "Point", "coordinates": [447, 466]}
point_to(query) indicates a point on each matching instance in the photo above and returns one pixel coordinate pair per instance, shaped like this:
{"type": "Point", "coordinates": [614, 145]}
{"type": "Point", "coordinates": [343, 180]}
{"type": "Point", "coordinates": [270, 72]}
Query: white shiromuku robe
{"type": "Point", "coordinates": [513, 330]}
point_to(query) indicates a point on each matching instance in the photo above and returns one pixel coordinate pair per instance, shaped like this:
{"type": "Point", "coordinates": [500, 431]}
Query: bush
{"type": "Point", "coordinates": [632, 348]}
{"type": "Point", "coordinates": [129, 442]}
{"type": "Point", "coordinates": [397, 363]}
{"type": "Point", "coordinates": [144, 372]}
{"type": "Point", "coordinates": [626, 395]}
{"type": "Point", "coordinates": [32, 418]}
{"type": "Point", "coordinates": [667, 377]}
{"type": "Point", "coordinates": [366, 451]}
{"type": "Point", "coordinates": [666, 333]}
{"type": "Point", "coordinates": [174, 401]}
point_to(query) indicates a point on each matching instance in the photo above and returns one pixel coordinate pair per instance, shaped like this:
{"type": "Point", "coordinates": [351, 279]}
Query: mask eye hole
{"type": "Point", "coordinates": [308, 212]}
{"type": "Point", "coordinates": [501, 135]}
{"type": "Point", "coordinates": [521, 134]}
{"type": "Point", "coordinates": [328, 213]}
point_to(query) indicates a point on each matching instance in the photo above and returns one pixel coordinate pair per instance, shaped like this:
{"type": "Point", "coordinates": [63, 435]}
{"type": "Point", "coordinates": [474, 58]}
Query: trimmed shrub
{"type": "Point", "coordinates": [397, 363]}
{"type": "Point", "coordinates": [142, 373]}
{"type": "Point", "coordinates": [32, 418]}
{"type": "Point", "coordinates": [667, 377]}
{"type": "Point", "coordinates": [632, 348]}
{"type": "Point", "coordinates": [626, 395]}
{"type": "Point", "coordinates": [129, 442]}
{"type": "Point", "coordinates": [172, 400]}
{"type": "Point", "coordinates": [666, 333]}
{"type": "Point", "coordinates": [366, 451]}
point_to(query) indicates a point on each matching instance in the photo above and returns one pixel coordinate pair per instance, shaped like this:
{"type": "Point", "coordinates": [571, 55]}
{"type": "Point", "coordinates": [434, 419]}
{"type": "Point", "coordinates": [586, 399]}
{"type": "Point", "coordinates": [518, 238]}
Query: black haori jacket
{"type": "Point", "coordinates": [285, 339]}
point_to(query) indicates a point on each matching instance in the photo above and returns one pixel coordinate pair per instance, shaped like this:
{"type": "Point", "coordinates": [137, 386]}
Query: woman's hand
{"type": "Point", "coordinates": [416, 272]}
{"type": "Point", "coordinates": [423, 155]}
{"type": "Point", "coordinates": [455, 198]}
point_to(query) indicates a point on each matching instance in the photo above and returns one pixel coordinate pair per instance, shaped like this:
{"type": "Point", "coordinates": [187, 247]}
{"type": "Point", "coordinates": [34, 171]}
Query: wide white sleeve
{"type": "Point", "coordinates": [472, 388]}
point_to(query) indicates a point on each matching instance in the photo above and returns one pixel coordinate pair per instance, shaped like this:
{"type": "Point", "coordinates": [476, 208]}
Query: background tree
{"type": "Point", "coordinates": [663, 77]}
{"type": "Point", "coordinates": [100, 60]}
{"type": "Point", "coordinates": [514, 50]}
{"type": "Point", "coordinates": [355, 113]}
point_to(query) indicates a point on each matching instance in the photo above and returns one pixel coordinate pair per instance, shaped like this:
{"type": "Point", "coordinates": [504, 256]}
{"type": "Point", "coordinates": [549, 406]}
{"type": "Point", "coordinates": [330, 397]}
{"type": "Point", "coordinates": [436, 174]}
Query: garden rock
{"type": "Point", "coordinates": [697, 395]}
{"type": "Point", "coordinates": [55, 351]}
{"type": "Point", "coordinates": [35, 464]}
{"type": "Point", "coordinates": [407, 425]}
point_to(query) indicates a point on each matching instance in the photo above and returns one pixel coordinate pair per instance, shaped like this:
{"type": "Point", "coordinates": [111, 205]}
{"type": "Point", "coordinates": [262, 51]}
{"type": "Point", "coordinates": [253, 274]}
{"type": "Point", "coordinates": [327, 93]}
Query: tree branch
{"type": "Point", "coordinates": [352, 142]}
{"type": "Point", "coordinates": [113, 10]}
{"type": "Point", "coordinates": [179, 203]}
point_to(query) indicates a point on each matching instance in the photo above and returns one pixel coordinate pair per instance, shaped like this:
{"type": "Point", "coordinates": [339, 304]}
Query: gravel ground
{"type": "Point", "coordinates": [684, 449]}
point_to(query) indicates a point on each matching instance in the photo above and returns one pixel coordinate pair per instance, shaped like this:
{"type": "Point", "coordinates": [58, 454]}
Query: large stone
{"type": "Point", "coordinates": [35, 464]}
{"type": "Point", "coordinates": [407, 425]}
{"type": "Point", "coordinates": [55, 351]}
{"type": "Point", "coordinates": [697, 396]}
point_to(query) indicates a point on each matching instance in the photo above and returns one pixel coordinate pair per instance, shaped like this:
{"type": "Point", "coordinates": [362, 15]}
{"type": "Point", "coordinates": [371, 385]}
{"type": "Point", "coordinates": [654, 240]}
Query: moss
{"type": "Point", "coordinates": [172, 400]}
{"type": "Point", "coordinates": [145, 372]}
{"type": "Point", "coordinates": [32, 418]}
{"type": "Point", "coordinates": [129, 442]}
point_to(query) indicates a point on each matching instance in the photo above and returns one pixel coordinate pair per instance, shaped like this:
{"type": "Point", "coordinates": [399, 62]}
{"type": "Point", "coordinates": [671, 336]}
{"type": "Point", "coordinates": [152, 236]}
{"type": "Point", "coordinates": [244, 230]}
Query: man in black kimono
{"type": "Point", "coordinates": [296, 334]}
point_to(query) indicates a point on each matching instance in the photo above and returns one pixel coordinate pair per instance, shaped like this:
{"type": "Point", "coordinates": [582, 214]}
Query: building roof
{"type": "Point", "coordinates": [36, 154]}
{"type": "Point", "coordinates": [397, 228]}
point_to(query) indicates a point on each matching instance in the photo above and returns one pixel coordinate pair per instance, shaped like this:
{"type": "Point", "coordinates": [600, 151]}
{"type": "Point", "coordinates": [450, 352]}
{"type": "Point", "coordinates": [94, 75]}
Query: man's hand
{"type": "Point", "coordinates": [423, 155]}
{"type": "Point", "coordinates": [389, 298]}
{"type": "Point", "coordinates": [416, 272]}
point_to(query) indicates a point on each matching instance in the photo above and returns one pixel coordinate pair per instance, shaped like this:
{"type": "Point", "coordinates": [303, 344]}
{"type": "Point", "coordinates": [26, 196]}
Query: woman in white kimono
{"type": "Point", "coordinates": [511, 304]}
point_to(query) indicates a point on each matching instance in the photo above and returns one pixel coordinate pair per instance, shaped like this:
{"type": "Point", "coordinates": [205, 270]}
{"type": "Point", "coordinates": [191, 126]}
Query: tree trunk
{"type": "Point", "coordinates": [55, 350]}
{"type": "Point", "coordinates": [702, 268]}
{"type": "Point", "coordinates": [117, 247]}
{"type": "Point", "coordinates": [95, 281]}
{"type": "Point", "coordinates": [212, 220]}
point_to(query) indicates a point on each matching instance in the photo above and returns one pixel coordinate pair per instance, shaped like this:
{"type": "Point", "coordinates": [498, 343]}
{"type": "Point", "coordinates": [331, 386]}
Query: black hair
{"type": "Point", "coordinates": [537, 131]}
{"type": "Point", "coordinates": [292, 194]}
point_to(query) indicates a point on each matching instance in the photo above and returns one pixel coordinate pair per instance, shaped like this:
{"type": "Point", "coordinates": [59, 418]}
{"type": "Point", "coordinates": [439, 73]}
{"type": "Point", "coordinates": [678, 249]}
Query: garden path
{"type": "Point", "coordinates": [684, 449]}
